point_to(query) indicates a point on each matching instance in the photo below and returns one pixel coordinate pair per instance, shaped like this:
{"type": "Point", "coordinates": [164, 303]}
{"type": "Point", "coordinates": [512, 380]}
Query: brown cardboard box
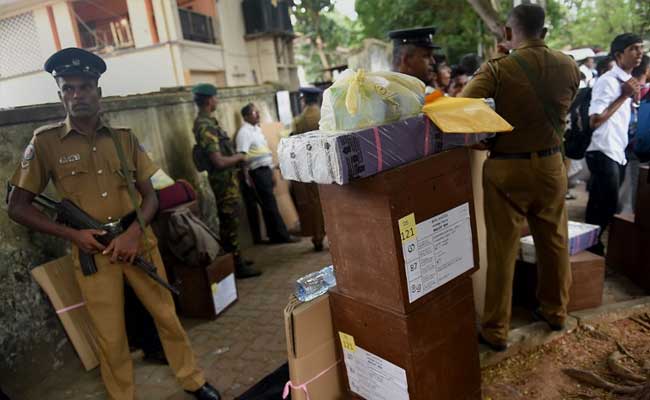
{"type": "Point", "coordinates": [311, 350]}
{"type": "Point", "coordinates": [271, 131]}
{"type": "Point", "coordinates": [588, 271]}
{"type": "Point", "coordinates": [642, 207]}
{"type": "Point", "coordinates": [628, 249]}
{"type": "Point", "coordinates": [362, 220]}
{"type": "Point", "coordinates": [431, 353]}
{"type": "Point", "coordinates": [58, 281]}
{"type": "Point", "coordinates": [206, 292]}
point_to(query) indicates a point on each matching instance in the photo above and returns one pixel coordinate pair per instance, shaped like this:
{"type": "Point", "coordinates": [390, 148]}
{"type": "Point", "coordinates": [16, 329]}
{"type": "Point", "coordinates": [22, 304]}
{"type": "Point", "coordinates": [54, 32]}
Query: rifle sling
{"type": "Point", "coordinates": [552, 114]}
{"type": "Point", "coordinates": [129, 183]}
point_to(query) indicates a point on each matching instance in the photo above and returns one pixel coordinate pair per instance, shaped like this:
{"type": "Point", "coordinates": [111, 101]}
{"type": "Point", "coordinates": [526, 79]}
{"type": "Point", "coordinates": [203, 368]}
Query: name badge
{"type": "Point", "coordinates": [69, 159]}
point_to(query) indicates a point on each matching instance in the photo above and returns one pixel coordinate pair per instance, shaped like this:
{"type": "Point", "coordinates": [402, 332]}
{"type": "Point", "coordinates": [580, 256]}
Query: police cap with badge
{"type": "Point", "coordinates": [310, 92]}
{"type": "Point", "coordinates": [75, 61]}
{"type": "Point", "coordinates": [420, 37]}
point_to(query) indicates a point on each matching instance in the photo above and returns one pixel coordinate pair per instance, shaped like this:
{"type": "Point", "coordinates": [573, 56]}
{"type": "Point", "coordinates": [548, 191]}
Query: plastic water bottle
{"type": "Point", "coordinates": [315, 284]}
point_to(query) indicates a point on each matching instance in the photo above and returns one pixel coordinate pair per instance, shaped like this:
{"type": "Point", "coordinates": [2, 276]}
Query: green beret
{"type": "Point", "coordinates": [205, 89]}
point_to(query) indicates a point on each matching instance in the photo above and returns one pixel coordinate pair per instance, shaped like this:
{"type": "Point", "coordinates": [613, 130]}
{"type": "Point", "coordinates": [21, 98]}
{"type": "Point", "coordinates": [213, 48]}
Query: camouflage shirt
{"type": "Point", "coordinates": [213, 139]}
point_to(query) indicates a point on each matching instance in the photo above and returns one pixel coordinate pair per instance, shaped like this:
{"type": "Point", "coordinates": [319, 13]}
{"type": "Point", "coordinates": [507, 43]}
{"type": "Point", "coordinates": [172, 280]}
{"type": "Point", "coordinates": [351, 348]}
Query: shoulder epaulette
{"type": "Point", "coordinates": [48, 127]}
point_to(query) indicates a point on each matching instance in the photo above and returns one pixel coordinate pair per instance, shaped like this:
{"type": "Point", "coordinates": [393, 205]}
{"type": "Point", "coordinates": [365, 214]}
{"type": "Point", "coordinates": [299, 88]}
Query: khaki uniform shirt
{"type": "Point", "coordinates": [308, 120]}
{"type": "Point", "coordinates": [85, 168]}
{"type": "Point", "coordinates": [517, 101]}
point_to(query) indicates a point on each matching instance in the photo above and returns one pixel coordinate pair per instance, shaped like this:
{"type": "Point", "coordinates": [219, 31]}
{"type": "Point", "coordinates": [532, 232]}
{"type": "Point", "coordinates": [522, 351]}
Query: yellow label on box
{"type": "Point", "coordinates": [407, 227]}
{"type": "Point", "coordinates": [214, 288]}
{"type": "Point", "coordinates": [347, 342]}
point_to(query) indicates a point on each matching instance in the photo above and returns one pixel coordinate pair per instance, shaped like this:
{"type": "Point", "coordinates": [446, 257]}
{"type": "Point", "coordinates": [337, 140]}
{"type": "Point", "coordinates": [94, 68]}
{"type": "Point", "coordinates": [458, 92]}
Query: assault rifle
{"type": "Point", "coordinates": [69, 214]}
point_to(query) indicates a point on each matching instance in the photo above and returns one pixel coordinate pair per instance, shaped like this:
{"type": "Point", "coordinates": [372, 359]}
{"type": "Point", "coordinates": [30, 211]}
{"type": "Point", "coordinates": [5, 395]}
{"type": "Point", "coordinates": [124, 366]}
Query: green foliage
{"type": "Point", "coordinates": [594, 23]}
{"type": "Point", "coordinates": [459, 28]}
{"type": "Point", "coordinates": [317, 19]}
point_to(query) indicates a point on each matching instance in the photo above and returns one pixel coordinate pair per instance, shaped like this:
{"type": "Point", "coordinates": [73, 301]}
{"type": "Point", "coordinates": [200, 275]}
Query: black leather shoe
{"type": "Point", "coordinates": [206, 392]}
{"type": "Point", "coordinates": [538, 316]}
{"type": "Point", "coordinates": [498, 347]}
{"type": "Point", "coordinates": [244, 271]}
{"type": "Point", "coordinates": [318, 246]}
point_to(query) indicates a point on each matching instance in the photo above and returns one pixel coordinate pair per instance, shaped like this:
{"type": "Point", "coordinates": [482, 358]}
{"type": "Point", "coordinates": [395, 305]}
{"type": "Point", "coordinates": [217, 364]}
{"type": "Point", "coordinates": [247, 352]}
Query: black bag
{"type": "Point", "coordinates": [201, 158]}
{"type": "Point", "coordinates": [578, 134]}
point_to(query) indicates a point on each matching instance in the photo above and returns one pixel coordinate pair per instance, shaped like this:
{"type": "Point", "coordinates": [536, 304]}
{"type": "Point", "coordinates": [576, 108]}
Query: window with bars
{"type": "Point", "coordinates": [196, 27]}
{"type": "Point", "coordinates": [20, 50]}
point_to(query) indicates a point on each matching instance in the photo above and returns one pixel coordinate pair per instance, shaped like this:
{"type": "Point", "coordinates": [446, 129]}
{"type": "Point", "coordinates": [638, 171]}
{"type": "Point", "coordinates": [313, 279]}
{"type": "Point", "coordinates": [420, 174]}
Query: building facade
{"type": "Point", "coordinates": [148, 45]}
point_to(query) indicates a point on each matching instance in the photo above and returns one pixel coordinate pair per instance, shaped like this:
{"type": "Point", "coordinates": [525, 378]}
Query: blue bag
{"type": "Point", "coordinates": [642, 137]}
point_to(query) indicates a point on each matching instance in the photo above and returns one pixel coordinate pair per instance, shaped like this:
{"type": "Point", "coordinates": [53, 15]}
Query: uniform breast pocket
{"type": "Point", "coordinates": [72, 178]}
{"type": "Point", "coordinates": [118, 175]}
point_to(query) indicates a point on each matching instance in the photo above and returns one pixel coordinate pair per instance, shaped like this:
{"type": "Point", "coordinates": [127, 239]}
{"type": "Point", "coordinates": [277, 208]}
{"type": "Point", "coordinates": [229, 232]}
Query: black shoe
{"type": "Point", "coordinates": [206, 392]}
{"type": "Point", "coordinates": [318, 246]}
{"type": "Point", "coordinates": [244, 271]}
{"type": "Point", "coordinates": [156, 357]}
{"type": "Point", "coordinates": [538, 316]}
{"type": "Point", "coordinates": [500, 347]}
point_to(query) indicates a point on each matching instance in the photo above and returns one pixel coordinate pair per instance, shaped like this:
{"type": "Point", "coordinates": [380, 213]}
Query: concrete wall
{"type": "Point", "coordinates": [32, 341]}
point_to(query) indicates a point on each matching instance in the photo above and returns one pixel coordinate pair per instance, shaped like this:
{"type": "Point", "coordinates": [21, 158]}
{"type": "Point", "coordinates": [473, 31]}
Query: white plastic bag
{"type": "Point", "coordinates": [361, 99]}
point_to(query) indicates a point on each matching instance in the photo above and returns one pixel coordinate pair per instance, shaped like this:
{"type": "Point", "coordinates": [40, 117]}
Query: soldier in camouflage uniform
{"type": "Point", "coordinates": [223, 174]}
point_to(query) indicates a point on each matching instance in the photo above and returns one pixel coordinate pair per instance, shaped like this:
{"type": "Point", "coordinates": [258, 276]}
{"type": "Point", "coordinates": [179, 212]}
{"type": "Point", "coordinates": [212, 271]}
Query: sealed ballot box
{"type": "Point", "coordinates": [398, 236]}
{"type": "Point", "coordinates": [429, 354]}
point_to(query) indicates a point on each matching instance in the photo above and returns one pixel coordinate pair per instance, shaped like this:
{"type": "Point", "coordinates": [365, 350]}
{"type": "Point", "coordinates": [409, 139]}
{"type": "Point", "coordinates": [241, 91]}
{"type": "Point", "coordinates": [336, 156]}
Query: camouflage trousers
{"type": "Point", "coordinates": [227, 200]}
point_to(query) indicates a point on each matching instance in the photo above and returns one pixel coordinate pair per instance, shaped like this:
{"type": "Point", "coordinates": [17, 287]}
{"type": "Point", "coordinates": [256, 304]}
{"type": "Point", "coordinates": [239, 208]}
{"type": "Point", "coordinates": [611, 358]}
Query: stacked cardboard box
{"type": "Point", "coordinates": [628, 248]}
{"type": "Point", "coordinates": [403, 244]}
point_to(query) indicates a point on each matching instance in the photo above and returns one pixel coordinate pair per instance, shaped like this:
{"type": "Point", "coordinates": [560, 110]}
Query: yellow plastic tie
{"type": "Point", "coordinates": [352, 96]}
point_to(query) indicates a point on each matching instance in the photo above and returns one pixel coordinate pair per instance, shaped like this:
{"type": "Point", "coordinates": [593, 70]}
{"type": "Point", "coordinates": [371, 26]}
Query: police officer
{"type": "Point", "coordinates": [80, 155]}
{"type": "Point", "coordinates": [307, 198]}
{"type": "Point", "coordinates": [223, 176]}
{"type": "Point", "coordinates": [524, 177]}
{"type": "Point", "coordinates": [413, 53]}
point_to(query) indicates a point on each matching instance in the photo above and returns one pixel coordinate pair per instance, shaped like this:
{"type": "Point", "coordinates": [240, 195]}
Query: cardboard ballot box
{"type": "Point", "coordinates": [628, 249]}
{"type": "Point", "coordinates": [311, 348]}
{"type": "Point", "coordinates": [581, 237]}
{"type": "Point", "coordinates": [206, 292]}
{"type": "Point", "coordinates": [588, 279]}
{"type": "Point", "coordinates": [642, 207]}
{"type": "Point", "coordinates": [429, 354]}
{"type": "Point", "coordinates": [398, 236]}
{"type": "Point", "coordinates": [58, 280]}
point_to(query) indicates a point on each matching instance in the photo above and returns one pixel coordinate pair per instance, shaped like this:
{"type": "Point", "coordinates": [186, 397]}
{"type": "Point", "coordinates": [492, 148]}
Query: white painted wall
{"type": "Point", "coordinates": [237, 60]}
{"type": "Point", "coordinates": [138, 71]}
{"type": "Point", "coordinates": [139, 23]}
{"type": "Point", "coordinates": [45, 37]}
{"type": "Point", "coordinates": [202, 57]}
{"type": "Point", "coordinates": [167, 20]}
{"type": "Point", "coordinates": [34, 88]}
{"type": "Point", "coordinates": [64, 24]}
{"type": "Point", "coordinates": [263, 59]}
{"type": "Point", "coordinates": [131, 72]}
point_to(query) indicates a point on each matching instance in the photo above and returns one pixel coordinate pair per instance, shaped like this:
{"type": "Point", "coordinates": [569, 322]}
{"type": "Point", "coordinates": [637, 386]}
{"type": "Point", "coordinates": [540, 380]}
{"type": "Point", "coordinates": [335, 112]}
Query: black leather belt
{"type": "Point", "coordinates": [525, 156]}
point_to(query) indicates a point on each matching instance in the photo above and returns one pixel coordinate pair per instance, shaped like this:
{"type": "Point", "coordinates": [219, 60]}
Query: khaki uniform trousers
{"type": "Point", "coordinates": [103, 293]}
{"type": "Point", "coordinates": [516, 191]}
{"type": "Point", "coordinates": [310, 211]}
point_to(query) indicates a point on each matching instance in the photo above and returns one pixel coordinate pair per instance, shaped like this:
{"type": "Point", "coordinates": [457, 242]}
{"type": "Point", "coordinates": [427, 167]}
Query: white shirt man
{"type": "Point", "coordinates": [610, 138]}
{"type": "Point", "coordinates": [251, 140]}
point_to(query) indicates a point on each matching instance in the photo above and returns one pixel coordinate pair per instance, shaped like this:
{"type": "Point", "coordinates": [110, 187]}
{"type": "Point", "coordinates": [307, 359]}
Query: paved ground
{"type": "Point", "coordinates": [247, 342]}
{"type": "Point", "coordinates": [236, 350]}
